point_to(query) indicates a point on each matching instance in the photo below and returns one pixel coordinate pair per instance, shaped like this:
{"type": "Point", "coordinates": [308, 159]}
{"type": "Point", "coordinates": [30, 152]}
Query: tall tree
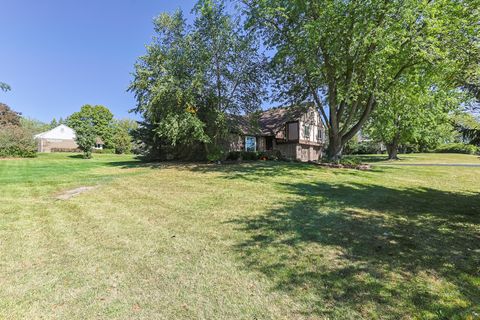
{"type": "Point", "coordinates": [347, 55]}
{"type": "Point", "coordinates": [192, 75]}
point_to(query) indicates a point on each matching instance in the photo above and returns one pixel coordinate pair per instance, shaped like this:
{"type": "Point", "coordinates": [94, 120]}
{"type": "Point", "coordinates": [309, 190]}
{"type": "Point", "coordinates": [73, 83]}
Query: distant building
{"type": "Point", "coordinates": [60, 139]}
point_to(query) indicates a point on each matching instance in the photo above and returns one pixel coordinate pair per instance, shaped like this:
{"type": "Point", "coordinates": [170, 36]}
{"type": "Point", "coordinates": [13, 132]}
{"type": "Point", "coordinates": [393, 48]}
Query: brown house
{"type": "Point", "coordinates": [297, 132]}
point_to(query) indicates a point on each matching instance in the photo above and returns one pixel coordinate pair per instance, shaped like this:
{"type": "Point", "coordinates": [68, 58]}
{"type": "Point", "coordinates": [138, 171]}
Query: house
{"type": "Point", "coordinates": [60, 139]}
{"type": "Point", "coordinates": [296, 132]}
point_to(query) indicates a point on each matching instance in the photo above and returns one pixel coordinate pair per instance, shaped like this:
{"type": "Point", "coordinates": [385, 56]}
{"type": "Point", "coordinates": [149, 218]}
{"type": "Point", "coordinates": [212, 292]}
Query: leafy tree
{"type": "Point", "coordinates": [4, 86]}
{"type": "Point", "coordinates": [414, 113]}
{"type": "Point", "coordinates": [16, 140]}
{"type": "Point", "coordinates": [192, 75]}
{"type": "Point", "coordinates": [86, 136]}
{"type": "Point", "coordinates": [53, 123]}
{"type": "Point", "coordinates": [34, 126]}
{"type": "Point", "coordinates": [347, 55]}
{"type": "Point", "coordinates": [100, 121]}
{"type": "Point", "coordinates": [8, 117]}
{"type": "Point", "coordinates": [122, 136]}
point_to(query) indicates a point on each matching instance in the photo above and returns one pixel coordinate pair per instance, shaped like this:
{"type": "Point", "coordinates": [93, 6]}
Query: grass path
{"type": "Point", "coordinates": [252, 241]}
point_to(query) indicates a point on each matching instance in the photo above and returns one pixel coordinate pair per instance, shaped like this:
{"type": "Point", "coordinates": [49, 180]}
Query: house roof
{"type": "Point", "coordinates": [268, 122]}
{"type": "Point", "coordinates": [60, 132]}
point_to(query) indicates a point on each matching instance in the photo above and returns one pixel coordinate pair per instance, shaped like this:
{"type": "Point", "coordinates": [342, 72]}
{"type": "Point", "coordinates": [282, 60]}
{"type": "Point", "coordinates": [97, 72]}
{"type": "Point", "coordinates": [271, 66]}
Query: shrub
{"type": "Point", "coordinates": [457, 148]}
{"type": "Point", "coordinates": [104, 151]}
{"type": "Point", "coordinates": [243, 155]}
{"type": "Point", "coordinates": [350, 161]}
{"type": "Point", "coordinates": [270, 155]}
{"type": "Point", "coordinates": [15, 141]}
{"type": "Point", "coordinates": [234, 155]}
{"type": "Point", "coordinates": [364, 147]}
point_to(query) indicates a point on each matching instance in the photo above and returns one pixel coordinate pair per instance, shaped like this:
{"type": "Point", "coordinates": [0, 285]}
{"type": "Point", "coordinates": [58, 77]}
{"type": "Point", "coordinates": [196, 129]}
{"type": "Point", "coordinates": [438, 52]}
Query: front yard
{"type": "Point", "coordinates": [261, 240]}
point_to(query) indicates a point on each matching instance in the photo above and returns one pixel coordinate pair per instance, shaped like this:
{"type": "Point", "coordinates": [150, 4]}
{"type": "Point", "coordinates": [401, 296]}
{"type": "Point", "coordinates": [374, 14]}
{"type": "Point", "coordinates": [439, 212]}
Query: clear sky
{"type": "Point", "coordinates": [60, 54]}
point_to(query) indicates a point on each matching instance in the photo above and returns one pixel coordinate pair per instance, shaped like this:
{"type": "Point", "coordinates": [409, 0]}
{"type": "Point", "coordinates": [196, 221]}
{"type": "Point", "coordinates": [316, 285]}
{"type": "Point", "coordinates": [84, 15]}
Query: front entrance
{"type": "Point", "coordinates": [268, 143]}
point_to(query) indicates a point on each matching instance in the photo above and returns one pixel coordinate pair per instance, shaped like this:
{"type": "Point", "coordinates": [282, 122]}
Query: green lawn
{"type": "Point", "coordinates": [422, 158]}
{"type": "Point", "coordinates": [259, 240]}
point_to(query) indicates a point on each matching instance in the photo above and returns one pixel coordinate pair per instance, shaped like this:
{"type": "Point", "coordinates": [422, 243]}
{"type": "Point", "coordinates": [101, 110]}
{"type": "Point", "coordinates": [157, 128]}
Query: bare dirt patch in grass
{"type": "Point", "coordinates": [73, 192]}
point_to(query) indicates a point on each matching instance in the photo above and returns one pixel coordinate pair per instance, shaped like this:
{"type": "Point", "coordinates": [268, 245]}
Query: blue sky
{"type": "Point", "coordinates": [60, 54]}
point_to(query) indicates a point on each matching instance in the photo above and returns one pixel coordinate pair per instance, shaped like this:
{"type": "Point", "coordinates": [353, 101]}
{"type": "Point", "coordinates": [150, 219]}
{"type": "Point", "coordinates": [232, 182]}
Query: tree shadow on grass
{"type": "Point", "coordinates": [358, 250]}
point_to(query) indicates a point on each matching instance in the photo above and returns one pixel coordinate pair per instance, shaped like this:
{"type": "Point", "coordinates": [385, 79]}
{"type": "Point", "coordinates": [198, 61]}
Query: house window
{"type": "Point", "coordinates": [250, 143]}
{"type": "Point", "coordinates": [320, 136]}
{"type": "Point", "coordinates": [306, 131]}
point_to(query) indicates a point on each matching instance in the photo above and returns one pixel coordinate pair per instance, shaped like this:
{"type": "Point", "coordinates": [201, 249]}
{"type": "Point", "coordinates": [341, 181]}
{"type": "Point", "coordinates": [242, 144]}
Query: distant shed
{"type": "Point", "coordinates": [60, 139]}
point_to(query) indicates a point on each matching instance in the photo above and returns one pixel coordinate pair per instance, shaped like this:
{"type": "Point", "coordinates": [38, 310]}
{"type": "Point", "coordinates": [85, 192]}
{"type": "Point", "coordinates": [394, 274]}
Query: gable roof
{"type": "Point", "coordinates": [60, 132]}
{"type": "Point", "coordinates": [268, 122]}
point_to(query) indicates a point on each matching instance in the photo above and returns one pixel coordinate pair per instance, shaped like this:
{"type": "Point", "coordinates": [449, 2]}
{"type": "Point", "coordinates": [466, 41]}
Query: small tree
{"type": "Point", "coordinates": [122, 138]}
{"type": "Point", "coordinates": [100, 118]}
{"type": "Point", "coordinates": [8, 117]}
{"type": "Point", "coordinates": [85, 137]}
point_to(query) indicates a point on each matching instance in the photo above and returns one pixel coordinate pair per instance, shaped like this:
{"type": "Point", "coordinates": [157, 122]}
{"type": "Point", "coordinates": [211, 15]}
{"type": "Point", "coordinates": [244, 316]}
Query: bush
{"type": "Point", "coordinates": [104, 151]}
{"type": "Point", "coordinates": [270, 155]}
{"type": "Point", "coordinates": [15, 141]}
{"type": "Point", "coordinates": [350, 161]}
{"type": "Point", "coordinates": [255, 155]}
{"type": "Point", "coordinates": [364, 147]}
{"type": "Point", "coordinates": [242, 155]}
{"type": "Point", "coordinates": [457, 148]}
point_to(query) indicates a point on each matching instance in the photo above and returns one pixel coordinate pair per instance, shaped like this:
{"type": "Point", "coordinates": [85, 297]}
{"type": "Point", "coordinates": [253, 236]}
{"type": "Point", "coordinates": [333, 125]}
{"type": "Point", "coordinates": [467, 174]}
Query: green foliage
{"type": "Point", "coordinates": [34, 126]}
{"type": "Point", "coordinates": [8, 117]}
{"type": "Point", "coordinates": [416, 112]}
{"type": "Point", "coordinates": [192, 75]}
{"type": "Point", "coordinates": [122, 140]}
{"type": "Point", "coordinates": [347, 55]}
{"type": "Point", "coordinates": [457, 148]}
{"type": "Point", "coordinates": [363, 147]}
{"type": "Point", "coordinates": [53, 123]}
{"type": "Point", "coordinates": [90, 123]}
{"type": "Point", "coordinates": [104, 151]}
{"type": "Point", "coordinates": [16, 141]}
{"type": "Point", "coordinates": [243, 155]}
{"type": "Point", "coordinates": [99, 118]}
{"type": "Point", "coordinates": [351, 161]}
{"type": "Point", "coordinates": [4, 87]}
{"type": "Point", "coordinates": [85, 137]}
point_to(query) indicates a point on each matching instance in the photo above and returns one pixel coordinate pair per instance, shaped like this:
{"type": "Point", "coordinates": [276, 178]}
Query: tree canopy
{"type": "Point", "coordinates": [414, 113]}
{"type": "Point", "coordinates": [100, 118]}
{"type": "Point", "coordinates": [347, 56]}
{"type": "Point", "coordinates": [90, 123]}
{"type": "Point", "coordinates": [8, 117]}
{"type": "Point", "coordinates": [192, 75]}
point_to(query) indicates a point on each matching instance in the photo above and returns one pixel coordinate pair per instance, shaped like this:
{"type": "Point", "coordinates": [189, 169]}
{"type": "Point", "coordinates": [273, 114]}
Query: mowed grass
{"type": "Point", "coordinates": [258, 240]}
{"type": "Point", "coordinates": [421, 158]}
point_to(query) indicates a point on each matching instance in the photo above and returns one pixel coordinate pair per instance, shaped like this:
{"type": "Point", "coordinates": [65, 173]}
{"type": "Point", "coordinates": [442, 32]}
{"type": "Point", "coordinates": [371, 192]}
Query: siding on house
{"type": "Point", "coordinates": [297, 132]}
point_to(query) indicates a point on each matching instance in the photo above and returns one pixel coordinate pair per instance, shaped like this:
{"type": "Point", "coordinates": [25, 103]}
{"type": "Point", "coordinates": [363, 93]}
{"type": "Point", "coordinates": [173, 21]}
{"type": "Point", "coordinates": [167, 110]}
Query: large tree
{"type": "Point", "coordinates": [99, 118]}
{"type": "Point", "coordinates": [347, 55]}
{"type": "Point", "coordinates": [192, 75]}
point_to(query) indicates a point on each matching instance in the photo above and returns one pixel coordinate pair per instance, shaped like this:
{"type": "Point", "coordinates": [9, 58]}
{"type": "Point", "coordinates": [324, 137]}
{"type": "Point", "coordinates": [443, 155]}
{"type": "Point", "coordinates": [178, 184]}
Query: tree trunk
{"type": "Point", "coordinates": [392, 149]}
{"type": "Point", "coordinates": [335, 147]}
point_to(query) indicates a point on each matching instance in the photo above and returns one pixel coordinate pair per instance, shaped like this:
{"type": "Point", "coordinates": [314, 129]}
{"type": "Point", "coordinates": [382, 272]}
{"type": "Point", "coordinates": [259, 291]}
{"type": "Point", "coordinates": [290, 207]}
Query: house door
{"type": "Point", "coordinates": [268, 143]}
